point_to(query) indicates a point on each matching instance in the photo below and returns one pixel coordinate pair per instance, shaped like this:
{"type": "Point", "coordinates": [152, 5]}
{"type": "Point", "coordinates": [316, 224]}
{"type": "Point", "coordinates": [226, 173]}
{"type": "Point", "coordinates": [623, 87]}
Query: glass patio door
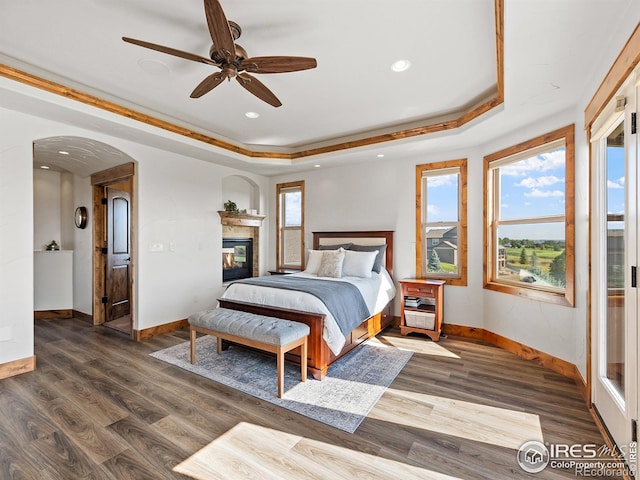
{"type": "Point", "coordinates": [614, 257]}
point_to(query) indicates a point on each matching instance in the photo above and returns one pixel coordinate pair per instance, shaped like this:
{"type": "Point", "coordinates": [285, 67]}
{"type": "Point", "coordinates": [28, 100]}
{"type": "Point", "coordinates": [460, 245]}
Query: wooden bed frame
{"type": "Point", "coordinates": [319, 355]}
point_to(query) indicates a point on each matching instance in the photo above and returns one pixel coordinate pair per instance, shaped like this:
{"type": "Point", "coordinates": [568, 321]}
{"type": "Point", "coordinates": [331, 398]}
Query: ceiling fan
{"type": "Point", "coordinates": [232, 59]}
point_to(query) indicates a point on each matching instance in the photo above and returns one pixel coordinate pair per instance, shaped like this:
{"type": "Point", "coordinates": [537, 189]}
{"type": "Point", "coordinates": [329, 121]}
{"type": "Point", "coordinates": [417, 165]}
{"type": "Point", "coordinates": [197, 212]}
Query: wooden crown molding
{"type": "Point", "coordinates": [465, 117]}
{"type": "Point", "coordinates": [622, 67]}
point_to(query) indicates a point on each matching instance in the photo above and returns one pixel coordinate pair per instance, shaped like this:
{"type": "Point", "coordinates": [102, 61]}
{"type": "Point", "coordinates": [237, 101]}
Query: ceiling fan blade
{"type": "Point", "coordinates": [219, 29]}
{"type": "Point", "coordinates": [170, 51]}
{"type": "Point", "coordinates": [208, 84]}
{"type": "Point", "coordinates": [258, 89]}
{"type": "Point", "coordinates": [278, 64]}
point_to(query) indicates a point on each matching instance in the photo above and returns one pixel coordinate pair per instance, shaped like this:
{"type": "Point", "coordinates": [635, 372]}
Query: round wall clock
{"type": "Point", "coordinates": [81, 217]}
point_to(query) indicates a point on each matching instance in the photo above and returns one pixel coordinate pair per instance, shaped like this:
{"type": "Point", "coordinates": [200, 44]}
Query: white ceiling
{"type": "Point", "coordinates": [549, 47]}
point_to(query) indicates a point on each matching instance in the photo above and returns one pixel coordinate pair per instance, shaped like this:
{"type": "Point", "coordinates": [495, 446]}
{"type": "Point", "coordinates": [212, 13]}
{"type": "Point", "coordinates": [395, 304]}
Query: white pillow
{"type": "Point", "coordinates": [313, 262]}
{"type": "Point", "coordinates": [358, 264]}
{"type": "Point", "coordinates": [331, 264]}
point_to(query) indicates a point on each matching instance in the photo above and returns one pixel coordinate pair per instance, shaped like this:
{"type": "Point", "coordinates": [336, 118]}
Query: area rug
{"type": "Point", "coordinates": [342, 399]}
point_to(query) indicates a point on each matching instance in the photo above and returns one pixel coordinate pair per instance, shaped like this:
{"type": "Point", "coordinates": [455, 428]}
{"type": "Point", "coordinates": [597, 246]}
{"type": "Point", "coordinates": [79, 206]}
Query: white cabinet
{"type": "Point", "coordinates": [53, 280]}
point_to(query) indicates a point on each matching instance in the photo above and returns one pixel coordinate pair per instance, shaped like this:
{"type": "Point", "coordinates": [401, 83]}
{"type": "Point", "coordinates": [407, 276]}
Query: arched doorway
{"type": "Point", "coordinates": [79, 168]}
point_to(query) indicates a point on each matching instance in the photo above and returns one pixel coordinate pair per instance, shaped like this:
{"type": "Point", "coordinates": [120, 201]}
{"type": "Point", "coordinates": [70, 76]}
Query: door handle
{"type": "Point", "coordinates": [128, 259]}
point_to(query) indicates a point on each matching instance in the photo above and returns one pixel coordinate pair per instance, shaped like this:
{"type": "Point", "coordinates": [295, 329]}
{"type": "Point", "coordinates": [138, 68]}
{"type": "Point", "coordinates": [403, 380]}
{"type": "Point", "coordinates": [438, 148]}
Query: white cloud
{"type": "Point", "coordinates": [543, 181]}
{"type": "Point", "coordinates": [537, 193]}
{"type": "Point", "coordinates": [615, 185]}
{"type": "Point", "coordinates": [440, 180]}
{"type": "Point", "coordinates": [432, 210]}
{"type": "Point", "coordinates": [539, 163]}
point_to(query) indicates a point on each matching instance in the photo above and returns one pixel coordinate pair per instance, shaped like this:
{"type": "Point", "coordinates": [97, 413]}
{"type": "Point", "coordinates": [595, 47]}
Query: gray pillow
{"type": "Point", "coordinates": [335, 247]}
{"type": "Point", "coordinates": [377, 265]}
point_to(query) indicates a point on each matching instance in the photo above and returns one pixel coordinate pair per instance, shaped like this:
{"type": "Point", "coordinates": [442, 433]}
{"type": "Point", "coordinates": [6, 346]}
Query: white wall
{"type": "Point", "coordinates": [178, 200]}
{"type": "Point", "coordinates": [82, 245]}
{"type": "Point", "coordinates": [67, 210]}
{"type": "Point", "coordinates": [16, 237]}
{"type": "Point", "coordinates": [46, 208]}
{"type": "Point", "coordinates": [544, 326]}
{"type": "Point", "coordinates": [380, 195]}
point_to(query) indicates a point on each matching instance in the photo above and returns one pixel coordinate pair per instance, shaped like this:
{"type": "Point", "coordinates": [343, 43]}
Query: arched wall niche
{"type": "Point", "coordinates": [243, 191]}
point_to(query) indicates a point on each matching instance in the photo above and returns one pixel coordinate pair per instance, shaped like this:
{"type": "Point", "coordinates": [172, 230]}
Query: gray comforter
{"type": "Point", "coordinates": [342, 299]}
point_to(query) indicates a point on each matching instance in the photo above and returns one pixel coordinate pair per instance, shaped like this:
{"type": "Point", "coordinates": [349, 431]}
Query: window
{"type": "Point", "coordinates": [441, 221]}
{"type": "Point", "coordinates": [290, 223]}
{"type": "Point", "coordinates": [529, 218]}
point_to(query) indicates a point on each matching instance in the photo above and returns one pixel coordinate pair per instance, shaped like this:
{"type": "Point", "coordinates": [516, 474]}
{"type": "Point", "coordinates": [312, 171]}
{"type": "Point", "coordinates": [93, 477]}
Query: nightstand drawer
{"type": "Point", "coordinates": [417, 290]}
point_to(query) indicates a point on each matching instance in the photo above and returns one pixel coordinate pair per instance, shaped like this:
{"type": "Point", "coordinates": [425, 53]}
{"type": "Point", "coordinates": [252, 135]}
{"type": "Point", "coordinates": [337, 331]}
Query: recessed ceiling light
{"type": "Point", "coordinates": [44, 167]}
{"type": "Point", "coordinates": [400, 65]}
{"type": "Point", "coordinates": [252, 115]}
{"type": "Point", "coordinates": [317, 166]}
{"type": "Point", "coordinates": [62, 152]}
{"type": "Point", "coordinates": [380, 155]}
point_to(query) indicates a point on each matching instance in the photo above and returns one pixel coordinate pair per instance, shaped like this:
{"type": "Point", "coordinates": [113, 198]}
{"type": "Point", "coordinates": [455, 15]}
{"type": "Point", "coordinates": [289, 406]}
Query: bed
{"type": "Point", "coordinates": [327, 342]}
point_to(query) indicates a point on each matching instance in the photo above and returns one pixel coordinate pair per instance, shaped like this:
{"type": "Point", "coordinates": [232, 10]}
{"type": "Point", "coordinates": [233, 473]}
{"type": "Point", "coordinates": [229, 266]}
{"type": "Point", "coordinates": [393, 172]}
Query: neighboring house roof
{"type": "Point", "coordinates": [445, 244]}
{"type": "Point", "coordinates": [438, 232]}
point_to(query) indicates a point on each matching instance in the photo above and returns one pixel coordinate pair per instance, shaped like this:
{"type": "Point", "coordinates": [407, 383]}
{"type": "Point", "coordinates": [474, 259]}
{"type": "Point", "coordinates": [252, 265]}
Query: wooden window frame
{"type": "Point", "coordinates": [280, 189]}
{"type": "Point", "coordinates": [461, 164]}
{"type": "Point", "coordinates": [567, 297]}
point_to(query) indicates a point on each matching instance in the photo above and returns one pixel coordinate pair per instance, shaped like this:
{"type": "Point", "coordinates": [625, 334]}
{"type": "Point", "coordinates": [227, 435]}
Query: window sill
{"type": "Point", "coordinates": [531, 294]}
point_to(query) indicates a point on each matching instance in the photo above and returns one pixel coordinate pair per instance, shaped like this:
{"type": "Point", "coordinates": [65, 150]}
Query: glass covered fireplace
{"type": "Point", "coordinates": [237, 258]}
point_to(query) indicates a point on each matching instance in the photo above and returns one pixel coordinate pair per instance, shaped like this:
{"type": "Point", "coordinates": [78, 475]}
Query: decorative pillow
{"type": "Point", "coordinates": [335, 247]}
{"type": "Point", "coordinates": [358, 264]}
{"type": "Point", "coordinates": [331, 264]}
{"type": "Point", "coordinates": [381, 249]}
{"type": "Point", "coordinates": [313, 262]}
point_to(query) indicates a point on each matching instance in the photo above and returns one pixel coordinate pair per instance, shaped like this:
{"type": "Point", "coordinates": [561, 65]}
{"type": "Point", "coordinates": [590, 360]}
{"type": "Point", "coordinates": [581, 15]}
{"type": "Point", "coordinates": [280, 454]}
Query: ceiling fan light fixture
{"type": "Point", "coordinates": [252, 114]}
{"type": "Point", "coordinates": [400, 65]}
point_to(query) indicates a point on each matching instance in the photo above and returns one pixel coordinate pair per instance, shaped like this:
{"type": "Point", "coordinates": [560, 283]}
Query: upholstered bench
{"type": "Point", "coordinates": [270, 334]}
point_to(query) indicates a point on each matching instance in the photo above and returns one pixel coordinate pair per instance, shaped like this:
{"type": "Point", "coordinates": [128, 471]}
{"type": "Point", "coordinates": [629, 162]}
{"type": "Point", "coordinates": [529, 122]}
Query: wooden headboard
{"type": "Point", "coordinates": [376, 237]}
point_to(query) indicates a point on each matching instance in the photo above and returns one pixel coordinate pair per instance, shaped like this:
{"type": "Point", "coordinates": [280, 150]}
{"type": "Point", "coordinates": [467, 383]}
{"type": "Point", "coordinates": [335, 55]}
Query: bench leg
{"type": "Point", "coordinates": [192, 333]}
{"type": "Point", "coordinates": [280, 360]}
{"type": "Point", "coordinates": [303, 360]}
{"type": "Point", "coordinates": [219, 342]}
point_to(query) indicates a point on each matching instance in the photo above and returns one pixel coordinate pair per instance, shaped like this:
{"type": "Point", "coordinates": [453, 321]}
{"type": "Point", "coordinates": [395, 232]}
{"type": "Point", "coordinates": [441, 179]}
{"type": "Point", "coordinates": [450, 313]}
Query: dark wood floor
{"type": "Point", "coordinates": [99, 407]}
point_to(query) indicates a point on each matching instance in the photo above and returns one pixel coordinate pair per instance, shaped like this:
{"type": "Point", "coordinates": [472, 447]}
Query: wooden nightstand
{"type": "Point", "coordinates": [421, 309]}
{"type": "Point", "coordinates": [284, 271]}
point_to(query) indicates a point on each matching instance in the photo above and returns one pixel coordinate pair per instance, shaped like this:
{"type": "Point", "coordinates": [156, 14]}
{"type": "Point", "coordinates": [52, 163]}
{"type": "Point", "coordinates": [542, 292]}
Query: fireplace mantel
{"type": "Point", "coordinates": [240, 219]}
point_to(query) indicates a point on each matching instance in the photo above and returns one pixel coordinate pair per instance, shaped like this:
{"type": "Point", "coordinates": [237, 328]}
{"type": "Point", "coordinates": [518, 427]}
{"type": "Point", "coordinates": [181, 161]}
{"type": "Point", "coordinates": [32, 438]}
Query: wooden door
{"type": "Point", "coordinates": [118, 272]}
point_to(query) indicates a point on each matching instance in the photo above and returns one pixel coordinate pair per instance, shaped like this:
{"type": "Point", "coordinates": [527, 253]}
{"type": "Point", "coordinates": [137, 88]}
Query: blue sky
{"type": "Point", "coordinates": [615, 180]}
{"type": "Point", "coordinates": [532, 187]}
{"type": "Point", "coordinates": [293, 208]}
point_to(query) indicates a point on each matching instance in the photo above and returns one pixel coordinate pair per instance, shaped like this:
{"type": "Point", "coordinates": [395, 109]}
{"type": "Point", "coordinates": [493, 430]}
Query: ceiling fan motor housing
{"type": "Point", "coordinates": [241, 54]}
